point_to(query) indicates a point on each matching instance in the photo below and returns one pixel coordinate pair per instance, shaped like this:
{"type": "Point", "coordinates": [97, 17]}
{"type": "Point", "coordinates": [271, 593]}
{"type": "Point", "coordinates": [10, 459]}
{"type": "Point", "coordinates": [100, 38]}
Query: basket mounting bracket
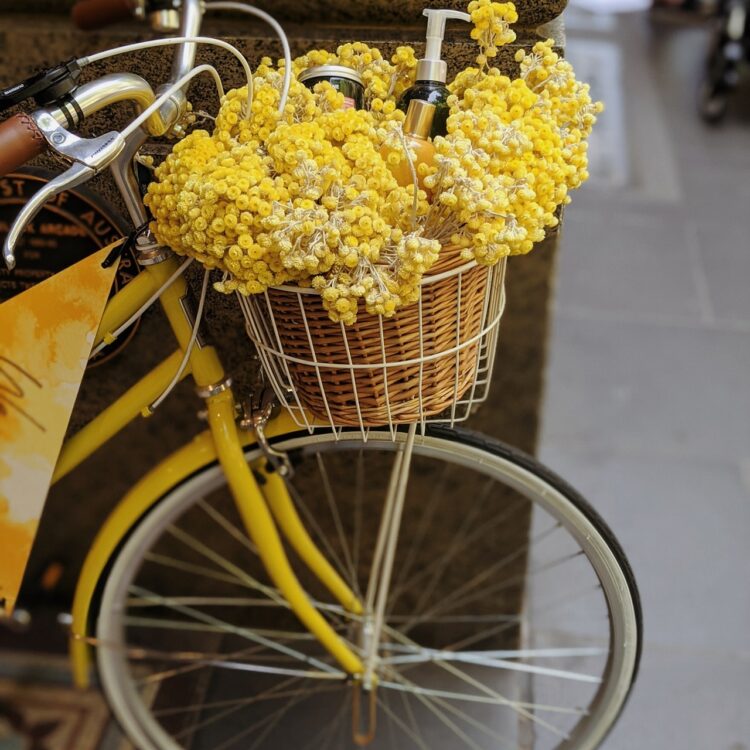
{"type": "Point", "coordinates": [256, 412]}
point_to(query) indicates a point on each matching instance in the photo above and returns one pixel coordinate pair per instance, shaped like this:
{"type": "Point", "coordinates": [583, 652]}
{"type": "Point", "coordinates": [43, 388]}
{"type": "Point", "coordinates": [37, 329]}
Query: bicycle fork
{"type": "Point", "coordinates": [262, 510]}
{"type": "Point", "coordinates": [364, 724]}
{"type": "Point", "coordinates": [258, 520]}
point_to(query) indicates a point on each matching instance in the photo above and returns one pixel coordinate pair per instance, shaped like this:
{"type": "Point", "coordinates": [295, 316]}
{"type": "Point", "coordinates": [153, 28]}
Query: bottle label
{"type": "Point", "coordinates": [349, 103]}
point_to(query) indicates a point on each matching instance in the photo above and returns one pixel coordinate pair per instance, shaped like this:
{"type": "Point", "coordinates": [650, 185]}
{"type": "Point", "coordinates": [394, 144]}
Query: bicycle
{"type": "Point", "coordinates": [310, 617]}
{"type": "Point", "coordinates": [728, 51]}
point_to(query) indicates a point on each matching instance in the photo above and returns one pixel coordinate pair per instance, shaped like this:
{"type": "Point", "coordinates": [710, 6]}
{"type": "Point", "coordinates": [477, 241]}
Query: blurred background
{"type": "Point", "coordinates": [646, 405]}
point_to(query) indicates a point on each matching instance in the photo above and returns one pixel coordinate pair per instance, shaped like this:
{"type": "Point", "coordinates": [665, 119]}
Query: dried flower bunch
{"type": "Point", "coordinates": [306, 197]}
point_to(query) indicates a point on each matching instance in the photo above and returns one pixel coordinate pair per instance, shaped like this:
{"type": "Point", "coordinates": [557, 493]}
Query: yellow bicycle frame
{"type": "Point", "coordinates": [263, 510]}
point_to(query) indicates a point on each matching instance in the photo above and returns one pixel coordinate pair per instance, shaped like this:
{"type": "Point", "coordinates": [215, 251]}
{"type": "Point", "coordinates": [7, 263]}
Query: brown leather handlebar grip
{"type": "Point", "coordinates": [20, 141]}
{"type": "Point", "coordinates": [95, 14]}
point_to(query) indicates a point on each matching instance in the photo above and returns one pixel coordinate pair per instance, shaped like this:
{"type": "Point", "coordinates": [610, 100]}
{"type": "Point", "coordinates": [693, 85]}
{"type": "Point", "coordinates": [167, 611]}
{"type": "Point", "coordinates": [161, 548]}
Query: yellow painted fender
{"type": "Point", "coordinates": [184, 462]}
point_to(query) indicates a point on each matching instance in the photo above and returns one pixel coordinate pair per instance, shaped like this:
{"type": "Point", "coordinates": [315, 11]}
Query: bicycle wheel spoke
{"type": "Point", "coordinates": [452, 619]}
{"type": "Point", "coordinates": [227, 525]}
{"type": "Point", "coordinates": [503, 627]}
{"type": "Point", "coordinates": [261, 669]}
{"type": "Point", "coordinates": [418, 537]}
{"type": "Point", "coordinates": [404, 685]}
{"type": "Point", "coordinates": [410, 714]}
{"type": "Point", "coordinates": [527, 653]}
{"type": "Point", "coordinates": [322, 538]}
{"type": "Point", "coordinates": [189, 540]}
{"type": "Point", "coordinates": [459, 542]}
{"type": "Point", "coordinates": [444, 560]}
{"type": "Point", "coordinates": [502, 700]}
{"type": "Point", "coordinates": [193, 666]}
{"type": "Point", "coordinates": [207, 601]}
{"type": "Point", "coordinates": [156, 622]}
{"type": "Point", "coordinates": [271, 722]}
{"type": "Point", "coordinates": [147, 654]}
{"type": "Point", "coordinates": [495, 697]}
{"type": "Point", "coordinates": [401, 724]}
{"type": "Point", "coordinates": [496, 663]}
{"type": "Point", "coordinates": [280, 714]}
{"type": "Point", "coordinates": [426, 700]}
{"type": "Point", "coordinates": [531, 706]}
{"type": "Point", "coordinates": [438, 700]}
{"type": "Point", "coordinates": [247, 579]}
{"type": "Point", "coordinates": [187, 567]}
{"type": "Point", "coordinates": [212, 661]}
{"type": "Point", "coordinates": [327, 733]}
{"type": "Point", "coordinates": [247, 701]}
{"type": "Point", "coordinates": [192, 728]}
{"type": "Point", "coordinates": [359, 488]}
{"type": "Point", "coordinates": [339, 526]}
{"type": "Point", "coordinates": [452, 603]}
{"type": "Point", "coordinates": [239, 631]}
{"type": "Point", "coordinates": [459, 594]}
{"type": "Point", "coordinates": [493, 693]}
{"type": "Point", "coordinates": [540, 653]}
{"type": "Point", "coordinates": [470, 540]}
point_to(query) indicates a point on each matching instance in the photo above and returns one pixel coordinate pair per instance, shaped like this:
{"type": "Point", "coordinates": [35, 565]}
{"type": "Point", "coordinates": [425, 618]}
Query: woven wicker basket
{"type": "Point", "coordinates": [386, 370]}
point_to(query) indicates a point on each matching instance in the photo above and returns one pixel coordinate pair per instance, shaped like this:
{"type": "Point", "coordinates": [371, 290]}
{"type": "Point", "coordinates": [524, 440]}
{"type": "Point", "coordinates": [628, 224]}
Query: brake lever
{"type": "Point", "coordinates": [76, 175]}
{"type": "Point", "coordinates": [89, 156]}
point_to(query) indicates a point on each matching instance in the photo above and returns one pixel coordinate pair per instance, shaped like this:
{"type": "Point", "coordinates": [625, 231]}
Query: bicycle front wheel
{"type": "Point", "coordinates": [512, 621]}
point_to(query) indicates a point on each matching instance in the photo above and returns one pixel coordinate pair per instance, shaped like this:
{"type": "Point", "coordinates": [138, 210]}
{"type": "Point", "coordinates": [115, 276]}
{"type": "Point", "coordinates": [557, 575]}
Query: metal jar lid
{"type": "Point", "coordinates": [331, 71]}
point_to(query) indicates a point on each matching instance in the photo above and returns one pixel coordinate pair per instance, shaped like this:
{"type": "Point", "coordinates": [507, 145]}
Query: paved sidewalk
{"type": "Point", "coordinates": [648, 391]}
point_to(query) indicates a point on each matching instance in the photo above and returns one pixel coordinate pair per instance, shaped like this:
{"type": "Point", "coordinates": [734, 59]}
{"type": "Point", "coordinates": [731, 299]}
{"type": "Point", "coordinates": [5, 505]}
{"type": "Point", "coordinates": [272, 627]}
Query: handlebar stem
{"type": "Point", "coordinates": [123, 173]}
{"type": "Point", "coordinates": [168, 114]}
{"type": "Point", "coordinates": [184, 58]}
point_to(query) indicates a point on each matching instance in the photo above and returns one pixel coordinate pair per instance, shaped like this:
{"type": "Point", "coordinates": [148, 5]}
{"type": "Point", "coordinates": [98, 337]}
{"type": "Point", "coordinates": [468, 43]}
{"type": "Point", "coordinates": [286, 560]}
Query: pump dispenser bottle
{"type": "Point", "coordinates": [416, 131]}
{"type": "Point", "coordinates": [432, 72]}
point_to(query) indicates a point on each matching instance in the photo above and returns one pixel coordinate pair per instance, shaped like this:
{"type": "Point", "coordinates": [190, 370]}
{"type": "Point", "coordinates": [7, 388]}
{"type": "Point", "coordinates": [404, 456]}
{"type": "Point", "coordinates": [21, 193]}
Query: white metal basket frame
{"type": "Point", "coordinates": [263, 331]}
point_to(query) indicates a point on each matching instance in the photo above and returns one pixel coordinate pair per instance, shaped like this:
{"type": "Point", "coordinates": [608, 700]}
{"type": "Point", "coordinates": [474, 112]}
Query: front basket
{"type": "Point", "coordinates": [431, 361]}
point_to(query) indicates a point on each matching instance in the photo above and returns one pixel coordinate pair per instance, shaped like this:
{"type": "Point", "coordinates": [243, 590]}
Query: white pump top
{"type": "Point", "coordinates": [431, 67]}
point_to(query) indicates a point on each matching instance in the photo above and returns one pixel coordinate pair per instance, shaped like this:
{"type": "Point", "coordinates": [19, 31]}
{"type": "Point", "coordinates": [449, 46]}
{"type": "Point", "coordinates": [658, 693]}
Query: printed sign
{"type": "Point", "coordinates": [46, 336]}
{"type": "Point", "coordinates": [65, 231]}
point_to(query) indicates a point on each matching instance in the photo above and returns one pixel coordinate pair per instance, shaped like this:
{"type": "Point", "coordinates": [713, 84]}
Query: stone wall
{"type": "Point", "coordinates": [531, 13]}
{"type": "Point", "coordinates": [78, 505]}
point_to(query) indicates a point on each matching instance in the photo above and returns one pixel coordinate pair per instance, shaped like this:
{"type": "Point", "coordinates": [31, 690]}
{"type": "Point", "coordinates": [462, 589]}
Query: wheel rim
{"type": "Point", "coordinates": [602, 708]}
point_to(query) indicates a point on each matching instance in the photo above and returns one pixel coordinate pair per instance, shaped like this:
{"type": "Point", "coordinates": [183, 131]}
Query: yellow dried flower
{"type": "Point", "coordinates": [304, 196]}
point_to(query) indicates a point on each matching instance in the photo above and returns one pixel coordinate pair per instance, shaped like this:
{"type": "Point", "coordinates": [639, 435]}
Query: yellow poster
{"type": "Point", "coordinates": [46, 335]}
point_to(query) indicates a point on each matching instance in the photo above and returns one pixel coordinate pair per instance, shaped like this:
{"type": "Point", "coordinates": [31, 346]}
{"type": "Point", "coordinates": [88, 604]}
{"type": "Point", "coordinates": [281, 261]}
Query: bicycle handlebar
{"type": "Point", "coordinates": [20, 141]}
{"type": "Point", "coordinates": [90, 15]}
{"type": "Point", "coordinates": [23, 136]}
